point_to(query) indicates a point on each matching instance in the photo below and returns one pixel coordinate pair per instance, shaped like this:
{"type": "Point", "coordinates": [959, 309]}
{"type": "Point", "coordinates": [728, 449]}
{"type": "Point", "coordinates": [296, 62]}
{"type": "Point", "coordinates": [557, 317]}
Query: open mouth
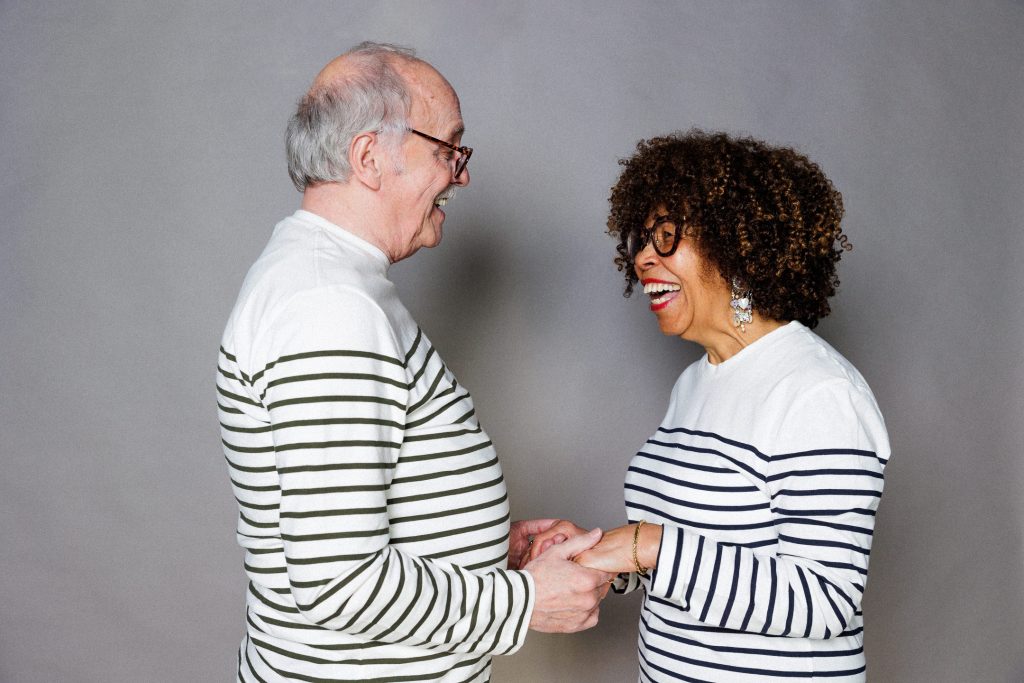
{"type": "Point", "coordinates": [659, 291]}
{"type": "Point", "coordinates": [445, 197]}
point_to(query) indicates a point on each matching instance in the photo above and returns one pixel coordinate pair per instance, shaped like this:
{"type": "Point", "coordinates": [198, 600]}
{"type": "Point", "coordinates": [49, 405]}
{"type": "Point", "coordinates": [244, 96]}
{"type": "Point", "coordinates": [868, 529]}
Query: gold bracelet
{"type": "Point", "coordinates": [641, 570]}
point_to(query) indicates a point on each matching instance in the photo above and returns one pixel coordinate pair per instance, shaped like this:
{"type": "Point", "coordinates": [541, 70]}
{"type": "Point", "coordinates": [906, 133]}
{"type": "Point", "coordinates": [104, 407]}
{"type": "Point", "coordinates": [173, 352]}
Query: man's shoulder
{"type": "Point", "coordinates": [309, 286]}
{"type": "Point", "coordinates": [300, 260]}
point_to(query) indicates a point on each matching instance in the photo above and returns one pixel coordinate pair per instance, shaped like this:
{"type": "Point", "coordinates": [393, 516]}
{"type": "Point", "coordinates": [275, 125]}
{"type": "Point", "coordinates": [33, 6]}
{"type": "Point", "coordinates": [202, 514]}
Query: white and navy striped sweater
{"type": "Point", "coordinates": [766, 474]}
{"type": "Point", "coordinates": [372, 507]}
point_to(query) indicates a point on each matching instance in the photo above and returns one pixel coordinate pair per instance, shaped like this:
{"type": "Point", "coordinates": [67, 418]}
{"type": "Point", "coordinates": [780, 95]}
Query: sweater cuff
{"type": "Point", "coordinates": [669, 577]}
{"type": "Point", "coordinates": [524, 598]}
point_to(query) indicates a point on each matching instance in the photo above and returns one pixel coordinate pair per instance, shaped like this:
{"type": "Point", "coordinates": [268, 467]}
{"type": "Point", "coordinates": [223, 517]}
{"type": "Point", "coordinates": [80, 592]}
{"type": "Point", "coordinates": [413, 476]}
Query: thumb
{"type": "Point", "coordinates": [577, 544]}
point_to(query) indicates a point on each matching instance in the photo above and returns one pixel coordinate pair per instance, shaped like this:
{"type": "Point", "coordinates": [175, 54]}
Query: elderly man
{"type": "Point", "coordinates": [372, 506]}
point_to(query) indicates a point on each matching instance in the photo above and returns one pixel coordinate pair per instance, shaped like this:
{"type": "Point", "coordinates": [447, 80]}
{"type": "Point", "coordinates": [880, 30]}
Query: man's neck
{"type": "Point", "coordinates": [340, 205]}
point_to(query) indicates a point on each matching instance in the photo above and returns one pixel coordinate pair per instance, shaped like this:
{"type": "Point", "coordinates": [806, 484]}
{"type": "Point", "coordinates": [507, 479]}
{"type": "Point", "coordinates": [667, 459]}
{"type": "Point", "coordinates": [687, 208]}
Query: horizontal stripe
{"type": "Point", "coordinates": [299, 538]}
{"type": "Point", "coordinates": [449, 492]}
{"type": "Point", "coordinates": [327, 354]}
{"type": "Point", "coordinates": [735, 461]}
{"type": "Point", "coordinates": [825, 473]}
{"type": "Point", "coordinates": [305, 400]}
{"type": "Point", "coordinates": [449, 532]}
{"type": "Point", "coordinates": [760, 652]}
{"type": "Point", "coordinates": [339, 466]}
{"type": "Point", "coordinates": [313, 423]}
{"type": "Point", "coordinates": [763, 505]}
{"type": "Point", "coordinates": [660, 513]}
{"type": "Point", "coordinates": [754, 671]}
{"type": "Point", "coordinates": [238, 397]}
{"type": "Point", "coordinates": [711, 435]}
{"type": "Point", "coordinates": [304, 514]}
{"type": "Point", "coordinates": [449, 512]}
{"type": "Point", "coordinates": [444, 473]}
{"type": "Point", "coordinates": [826, 492]}
{"type": "Point", "coordinates": [692, 485]}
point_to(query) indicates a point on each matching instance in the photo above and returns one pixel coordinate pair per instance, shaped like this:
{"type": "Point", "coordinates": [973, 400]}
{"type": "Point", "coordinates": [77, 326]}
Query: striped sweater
{"type": "Point", "coordinates": [372, 508]}
{"type": "Point", "coordinates": [766, 474]}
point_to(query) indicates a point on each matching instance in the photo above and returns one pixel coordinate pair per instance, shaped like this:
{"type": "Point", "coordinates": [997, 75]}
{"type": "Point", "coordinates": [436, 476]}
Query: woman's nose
{"type": "Point", "coordinates": [645, 258]}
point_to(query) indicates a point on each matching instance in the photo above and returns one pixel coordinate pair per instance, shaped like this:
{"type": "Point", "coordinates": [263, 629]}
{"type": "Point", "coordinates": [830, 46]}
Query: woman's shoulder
{"type": "Point", "coordinates": [806, 361]}
{"type": "Point", "coordinates": [824, 401]}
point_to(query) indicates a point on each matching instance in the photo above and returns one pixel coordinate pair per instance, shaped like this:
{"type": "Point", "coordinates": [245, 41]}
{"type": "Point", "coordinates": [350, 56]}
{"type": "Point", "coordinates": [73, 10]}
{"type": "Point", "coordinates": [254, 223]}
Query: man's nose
{"type": "Point", "coordinates": [462, 180]}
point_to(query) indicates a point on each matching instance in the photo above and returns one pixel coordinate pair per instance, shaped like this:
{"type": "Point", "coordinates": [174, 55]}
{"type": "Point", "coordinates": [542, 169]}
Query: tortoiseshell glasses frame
{"type": "Point", "coordinates": [463, 152]}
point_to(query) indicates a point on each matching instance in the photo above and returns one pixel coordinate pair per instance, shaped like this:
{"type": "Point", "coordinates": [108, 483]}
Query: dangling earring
{"type": "Point", "coordinates": [742, 310]}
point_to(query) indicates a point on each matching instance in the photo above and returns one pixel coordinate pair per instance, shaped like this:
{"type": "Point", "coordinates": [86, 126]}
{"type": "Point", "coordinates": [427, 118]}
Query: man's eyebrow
{"type": "Point", "coordinates": [459, 130]}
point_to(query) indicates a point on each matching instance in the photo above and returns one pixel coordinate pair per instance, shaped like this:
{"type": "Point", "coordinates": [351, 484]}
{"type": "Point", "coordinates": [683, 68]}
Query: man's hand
{"type": "Point", "coordinates": [567, 595]}
{"type": "Point", "coordinates": [521, 535]}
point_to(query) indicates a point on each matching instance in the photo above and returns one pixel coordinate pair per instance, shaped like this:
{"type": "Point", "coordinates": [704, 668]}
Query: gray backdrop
{"type": "Point", "coordinates": [142, 171]}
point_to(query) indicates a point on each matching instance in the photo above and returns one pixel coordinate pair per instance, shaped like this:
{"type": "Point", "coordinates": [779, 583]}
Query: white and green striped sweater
{"type": "Point", "coordinates": [372, 507]}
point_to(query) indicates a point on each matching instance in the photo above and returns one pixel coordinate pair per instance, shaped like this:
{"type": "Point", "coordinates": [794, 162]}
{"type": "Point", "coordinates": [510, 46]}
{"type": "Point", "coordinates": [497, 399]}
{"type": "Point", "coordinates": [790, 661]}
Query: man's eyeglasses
{"type": "Point", "coordinates": [662, 234]}
{"type": "Point", "coordinates": [463, 152]}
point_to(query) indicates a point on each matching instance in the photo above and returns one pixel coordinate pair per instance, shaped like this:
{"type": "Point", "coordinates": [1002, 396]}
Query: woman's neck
{"type": "Point", "coordinates": [726, 342]}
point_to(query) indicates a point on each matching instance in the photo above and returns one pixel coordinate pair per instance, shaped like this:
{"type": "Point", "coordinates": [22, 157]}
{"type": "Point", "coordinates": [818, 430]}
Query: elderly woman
{"type": "Point", "coordinates": [751, 508]}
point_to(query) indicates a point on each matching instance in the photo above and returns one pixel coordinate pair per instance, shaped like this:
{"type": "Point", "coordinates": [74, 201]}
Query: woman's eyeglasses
{"type": "Point", "coordinates": [663, 235]}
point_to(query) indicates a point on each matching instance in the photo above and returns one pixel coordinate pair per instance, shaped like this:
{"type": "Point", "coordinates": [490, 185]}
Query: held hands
{"type": "Point", "coordinates": [614, 553]}
{"type": "Point", "coordinates": [522, 535]}
{"type": "Point", "coordinates": [557, 532]}
{"type": "Point", "coordinates": [568, 595]}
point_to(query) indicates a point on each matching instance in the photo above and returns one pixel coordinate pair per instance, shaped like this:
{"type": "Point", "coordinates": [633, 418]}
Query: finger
{"type": "Point", "coordinates": [565, 529]}
{"type": "Point", "coordinates": [577, 544]}
{"type": "Point", "coordinates": [547, 544]}
{"type": "Point", "coordinates": [532, 552]}
{"type": "Point", "coordinates": [537, 526]}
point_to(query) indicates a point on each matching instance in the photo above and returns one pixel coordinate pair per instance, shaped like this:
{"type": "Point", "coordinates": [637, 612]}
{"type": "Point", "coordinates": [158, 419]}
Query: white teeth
{"type": "Point", "coordinates": [656, 287]}
{"type": "Point", "coordinates": [446, 196]}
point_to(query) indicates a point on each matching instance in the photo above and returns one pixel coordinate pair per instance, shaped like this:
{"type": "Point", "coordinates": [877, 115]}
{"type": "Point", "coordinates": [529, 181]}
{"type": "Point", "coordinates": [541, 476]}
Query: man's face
{"type": "Point", "coordinates": [421, 177]}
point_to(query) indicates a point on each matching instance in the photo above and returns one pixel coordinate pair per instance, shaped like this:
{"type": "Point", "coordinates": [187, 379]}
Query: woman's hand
{"type": "Point", "coordinates": [521, 535]}
{"type": "Point", "coordinates": [558, 532]}
{"type": "Point", "coordinates": [614, 554]}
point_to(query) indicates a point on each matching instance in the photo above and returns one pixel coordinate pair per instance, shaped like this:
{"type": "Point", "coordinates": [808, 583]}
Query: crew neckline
{"type": "Point", "coordinates": [343, 234]}
{"type": "Point", "coordinates": [751, 349]}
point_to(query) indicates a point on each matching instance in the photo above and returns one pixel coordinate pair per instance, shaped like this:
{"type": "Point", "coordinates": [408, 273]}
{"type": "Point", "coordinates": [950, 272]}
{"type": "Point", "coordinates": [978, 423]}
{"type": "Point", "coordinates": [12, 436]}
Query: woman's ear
{"type": "Point", "coordinates": [366, 158]}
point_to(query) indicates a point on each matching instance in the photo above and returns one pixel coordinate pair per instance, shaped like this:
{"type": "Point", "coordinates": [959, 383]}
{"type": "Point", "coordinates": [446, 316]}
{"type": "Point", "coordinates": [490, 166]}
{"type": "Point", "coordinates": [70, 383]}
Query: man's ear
{"type": "Point", "coordinates": [366, 157]}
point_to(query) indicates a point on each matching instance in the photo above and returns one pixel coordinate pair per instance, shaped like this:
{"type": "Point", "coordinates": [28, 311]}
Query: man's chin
{"type": "Point", "coordinates": [433, 231]}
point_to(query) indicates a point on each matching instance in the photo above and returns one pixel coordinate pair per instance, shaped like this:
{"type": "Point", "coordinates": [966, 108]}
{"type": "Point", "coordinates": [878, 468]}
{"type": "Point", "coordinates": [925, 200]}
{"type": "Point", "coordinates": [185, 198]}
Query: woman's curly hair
{"type": "Point", "coordinates": [767, 216]}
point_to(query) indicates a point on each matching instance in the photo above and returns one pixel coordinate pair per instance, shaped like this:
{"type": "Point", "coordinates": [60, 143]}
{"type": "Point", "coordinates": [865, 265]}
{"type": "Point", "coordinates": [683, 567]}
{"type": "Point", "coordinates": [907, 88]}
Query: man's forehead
{"type": "Point", "coordinates": [434, 101]}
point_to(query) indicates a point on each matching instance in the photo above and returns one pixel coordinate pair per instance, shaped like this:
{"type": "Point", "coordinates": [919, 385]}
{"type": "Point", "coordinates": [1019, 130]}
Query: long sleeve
{"type": "Point", "coordinates": [342, 395]}
{"type": "Point", "coordinates": [627, 582]}
{"type": "Point", "coordinates": [824, 488]}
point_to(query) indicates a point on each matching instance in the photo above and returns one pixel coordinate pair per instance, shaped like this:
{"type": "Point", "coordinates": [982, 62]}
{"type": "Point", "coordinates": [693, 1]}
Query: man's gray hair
{"type": "Point", "coordinates": [372, 97]}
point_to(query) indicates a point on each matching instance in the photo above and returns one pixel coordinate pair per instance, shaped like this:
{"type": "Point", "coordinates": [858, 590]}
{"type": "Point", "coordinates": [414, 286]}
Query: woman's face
{"type": "Point", "coordinates": [689, 299]}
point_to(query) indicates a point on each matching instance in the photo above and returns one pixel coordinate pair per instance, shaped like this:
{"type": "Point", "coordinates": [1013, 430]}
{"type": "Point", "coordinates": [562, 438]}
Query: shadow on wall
{"type": "Point", "coordinates": [456, 292]}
